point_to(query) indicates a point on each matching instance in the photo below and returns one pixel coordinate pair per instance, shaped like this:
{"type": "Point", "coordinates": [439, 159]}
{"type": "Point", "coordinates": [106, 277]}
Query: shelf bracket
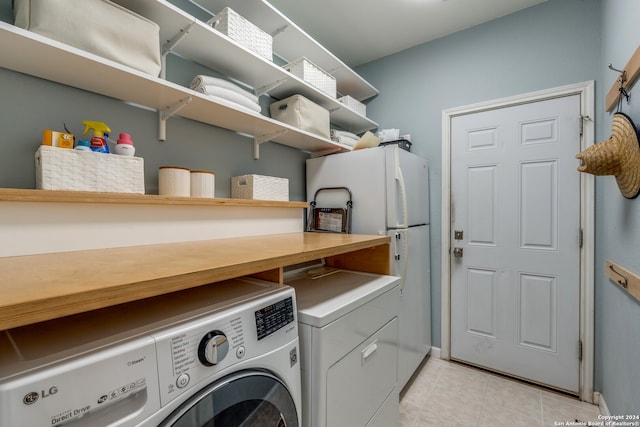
{"type": "Point", "coordinates": [260, 139]}
{"type": "Point", "coordinates": [280, 30]}
{"type": "Point", "coordinates": [333, 71]}
{"type": "Point", "coordinates": [169, 45]}
{"type": "Point", "coordinates": [166, 113]}
{"type": "Point", "coordinates": [259, 91]}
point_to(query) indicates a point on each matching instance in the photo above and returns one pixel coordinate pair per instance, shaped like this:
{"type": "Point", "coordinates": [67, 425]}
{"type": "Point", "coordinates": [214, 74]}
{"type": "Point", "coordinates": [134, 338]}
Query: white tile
{"type": "Point", "coordinates": [450, 394]}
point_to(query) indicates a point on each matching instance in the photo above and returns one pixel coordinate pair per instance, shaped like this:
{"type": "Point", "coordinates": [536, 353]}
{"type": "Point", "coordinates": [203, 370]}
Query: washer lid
{"type": "Point", "coordinates": [326, 294]}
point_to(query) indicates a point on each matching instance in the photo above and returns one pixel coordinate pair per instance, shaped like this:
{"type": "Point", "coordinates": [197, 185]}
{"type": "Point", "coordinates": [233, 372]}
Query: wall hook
{"type": "Point", "coordinates": [623, 73]}
{"type": "Point", "coordinates": [615, 69]}
{"type": "Point", "coordinates": [622, 279]}
{"type": "Point", "coordinates": [628, 75]}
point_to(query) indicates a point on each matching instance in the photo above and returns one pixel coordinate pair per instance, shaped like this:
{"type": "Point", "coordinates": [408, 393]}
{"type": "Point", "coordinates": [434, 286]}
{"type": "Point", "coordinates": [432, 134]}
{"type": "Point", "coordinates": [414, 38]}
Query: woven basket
{"type": "Point", "coordinates": [238, 28]}
{"type": "Point", "coordinates": [354, 104]}
{"type": "Point", "coordinates": [259, 187]}
{"type": "Point", "coordinates": [312, 74]}
{"type": "Point", "coordinates": [73, 170]}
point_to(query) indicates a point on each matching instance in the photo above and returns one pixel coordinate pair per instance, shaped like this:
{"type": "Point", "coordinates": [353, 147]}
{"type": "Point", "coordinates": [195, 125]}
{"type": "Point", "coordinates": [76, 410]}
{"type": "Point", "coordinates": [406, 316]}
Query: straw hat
{"type": "Point", "coordinates": [619, 156]}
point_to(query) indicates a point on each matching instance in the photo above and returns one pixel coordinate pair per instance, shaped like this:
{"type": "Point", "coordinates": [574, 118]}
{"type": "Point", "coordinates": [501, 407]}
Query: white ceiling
{"type": "Point", "coordinates": [359, 31]}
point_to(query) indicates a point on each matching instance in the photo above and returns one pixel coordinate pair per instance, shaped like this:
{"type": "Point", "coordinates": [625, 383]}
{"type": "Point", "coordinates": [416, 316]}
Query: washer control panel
{"type": "Point", "coordinates": [191, 354]}
{"type": "Point", "coordinates": [273, 317]}
{"type": "Point", "coordinates": [213, 348]}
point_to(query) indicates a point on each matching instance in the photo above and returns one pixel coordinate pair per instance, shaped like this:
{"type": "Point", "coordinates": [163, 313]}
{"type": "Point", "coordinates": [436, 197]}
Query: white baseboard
{"type": "Point", "coordinates": [435, 352]}
{"type": "Point", "coordinates": [599, 400]}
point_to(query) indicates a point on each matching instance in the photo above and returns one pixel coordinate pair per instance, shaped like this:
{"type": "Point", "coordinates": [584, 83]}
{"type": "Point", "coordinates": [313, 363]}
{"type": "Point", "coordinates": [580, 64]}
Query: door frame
{"type": "Point", "coordinates": [587, 224]}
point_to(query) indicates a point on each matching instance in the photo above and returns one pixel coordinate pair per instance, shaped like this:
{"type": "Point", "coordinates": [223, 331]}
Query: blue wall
{"type": "Point", "coordinates": [617, 231]}
{"type": "Point", "coordinates": [553, 44]}
{"type": "Point", "coordinates": [556, 43]}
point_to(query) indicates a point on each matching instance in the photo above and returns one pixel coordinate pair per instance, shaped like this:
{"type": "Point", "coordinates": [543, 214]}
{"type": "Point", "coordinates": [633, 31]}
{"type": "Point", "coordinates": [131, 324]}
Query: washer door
{"type": "Point", "coordinates": [243, 399]}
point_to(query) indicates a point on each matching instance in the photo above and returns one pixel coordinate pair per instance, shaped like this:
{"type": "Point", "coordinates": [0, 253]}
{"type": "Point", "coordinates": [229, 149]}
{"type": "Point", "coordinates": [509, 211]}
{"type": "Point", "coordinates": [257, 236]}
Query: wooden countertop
{"type": "Point", "coordinates": [42, 287]}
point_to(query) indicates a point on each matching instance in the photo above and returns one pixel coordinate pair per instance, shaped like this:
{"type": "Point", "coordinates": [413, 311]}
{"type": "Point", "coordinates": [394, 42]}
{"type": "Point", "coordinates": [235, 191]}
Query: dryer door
{"type": "Point", "coordinates": [247, 399]}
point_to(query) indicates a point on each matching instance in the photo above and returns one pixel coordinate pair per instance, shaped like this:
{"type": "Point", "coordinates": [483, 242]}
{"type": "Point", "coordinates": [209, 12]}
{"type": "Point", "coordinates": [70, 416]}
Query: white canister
{"type": "Point", "coordinates": [174, 181]}
{"type": "Point", "coordinates": [203, 184]}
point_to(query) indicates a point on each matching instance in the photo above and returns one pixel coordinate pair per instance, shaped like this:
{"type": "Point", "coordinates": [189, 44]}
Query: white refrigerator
{"type": "Point", "coordinates": [390, 192]}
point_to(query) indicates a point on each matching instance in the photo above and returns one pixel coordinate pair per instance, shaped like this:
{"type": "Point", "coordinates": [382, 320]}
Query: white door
{"type": "Point", "coordinates": [516, 202]}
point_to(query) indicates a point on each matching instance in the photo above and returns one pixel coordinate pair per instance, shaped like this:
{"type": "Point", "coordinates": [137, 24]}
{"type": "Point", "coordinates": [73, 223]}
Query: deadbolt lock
{"type": "Point", "coordinates": [458, 234]}
{"type": "Point", "coordinates": [457, 252]}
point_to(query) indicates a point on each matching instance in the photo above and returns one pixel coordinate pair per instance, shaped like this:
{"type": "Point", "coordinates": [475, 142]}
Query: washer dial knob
{"type": "Point", "coordinates": [213, 348]}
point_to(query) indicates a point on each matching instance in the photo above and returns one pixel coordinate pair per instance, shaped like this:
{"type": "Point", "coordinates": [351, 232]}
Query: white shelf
{"type": "Point", "coordinates": [29, 53]}
{"type": "Point", "coordinates": [293, 43]}
{"type": "Point", "coordinates": [215, 50]}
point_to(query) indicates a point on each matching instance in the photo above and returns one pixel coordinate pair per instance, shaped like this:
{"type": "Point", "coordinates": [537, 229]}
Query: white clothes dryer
{"type": "Point", "coordinates": [223, 354]}
{"type": "Point", "coordinates": [348, 326]}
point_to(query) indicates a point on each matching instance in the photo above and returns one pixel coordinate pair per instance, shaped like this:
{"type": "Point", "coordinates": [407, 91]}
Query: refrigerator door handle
{"type": "Point", "coordinates": [403, 193]}
{"type": "Point", "coordinates": [401, 257]}
{"type": "Point", "coordinates": [405, 261]}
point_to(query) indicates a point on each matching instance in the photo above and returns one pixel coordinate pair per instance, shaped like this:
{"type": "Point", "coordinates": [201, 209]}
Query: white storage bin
{"type": "Point", "coordinates": [66, 169]}
{"type": "Point", "coordinates": [312, 74]}
{"type": "Point", "coordinates": [238, 28]}
{"type": "Point", "coordinates": [302, 113]}
{"type": "Point", "coordinates": [354, 104]}
{"type": "Point", "coordinates": [259, 187]}
{"type": "Point", "coordinates": [97, 26]}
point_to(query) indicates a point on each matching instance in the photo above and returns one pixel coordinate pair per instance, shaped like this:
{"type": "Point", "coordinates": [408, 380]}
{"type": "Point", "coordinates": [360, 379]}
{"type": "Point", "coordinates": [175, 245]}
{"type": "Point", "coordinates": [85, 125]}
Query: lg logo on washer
{"type": "Point", "coordinates": [31, 398]}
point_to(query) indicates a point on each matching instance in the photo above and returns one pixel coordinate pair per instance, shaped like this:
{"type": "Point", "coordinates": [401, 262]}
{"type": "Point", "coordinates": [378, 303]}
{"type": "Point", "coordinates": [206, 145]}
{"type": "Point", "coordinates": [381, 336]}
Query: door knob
{"type": "Point", "coordinates": [457, 252]}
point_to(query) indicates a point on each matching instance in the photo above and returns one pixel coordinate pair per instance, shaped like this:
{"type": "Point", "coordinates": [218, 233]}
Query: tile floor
{"type": "Point", "coordinates": [448, 394]}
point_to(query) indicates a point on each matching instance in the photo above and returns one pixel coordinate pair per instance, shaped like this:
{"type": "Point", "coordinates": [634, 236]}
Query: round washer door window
{"type": "Point", "coordinates": [247, 399]}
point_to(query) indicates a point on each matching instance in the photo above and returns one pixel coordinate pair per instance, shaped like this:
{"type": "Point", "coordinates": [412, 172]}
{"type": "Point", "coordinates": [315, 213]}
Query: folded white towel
{"type": "Point", "coordinates": [201, 80]}
{"type": "Point", "coordinates": [229, 95]}
{"type": "Point", "coordinates": [343, 137]}
{"type": "Point", "coordinates": [345, 134]}
{"type": "Point", "coordinates": [234, 104]}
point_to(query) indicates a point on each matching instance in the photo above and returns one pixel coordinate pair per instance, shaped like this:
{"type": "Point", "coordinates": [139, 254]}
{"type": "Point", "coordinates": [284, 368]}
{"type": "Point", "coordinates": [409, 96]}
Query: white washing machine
{"type": "Point", "coordinates": [348, 326]}
{"type": "Point", "coordinates": [223, 355]}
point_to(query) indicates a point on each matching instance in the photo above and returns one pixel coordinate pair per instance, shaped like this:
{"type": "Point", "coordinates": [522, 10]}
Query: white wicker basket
{"type": "Point", "coordinates": [238, 28]}
{"type": "Point", "coordinates": [312, 74]}
{"type": "Point", "coordinates": [259, 187]}
{"type": "Point", "coordinates": [354, 104]}
{"type": "Point", "coordinates": [65, 169]}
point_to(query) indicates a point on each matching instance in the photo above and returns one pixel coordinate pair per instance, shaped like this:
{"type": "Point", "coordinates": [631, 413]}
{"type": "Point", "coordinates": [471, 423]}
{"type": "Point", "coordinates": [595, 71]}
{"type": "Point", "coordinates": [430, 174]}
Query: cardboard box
{"type": "Point", "coordinates": [57, 139]}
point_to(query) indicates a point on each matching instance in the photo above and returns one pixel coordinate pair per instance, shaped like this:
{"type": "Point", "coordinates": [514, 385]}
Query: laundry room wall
{"type": "Point", "coordinates": [548, 45]}
{"type": "Point", "coordinates": [617, 231]}
{"type": "Point", "coordinates": [30, 104]}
